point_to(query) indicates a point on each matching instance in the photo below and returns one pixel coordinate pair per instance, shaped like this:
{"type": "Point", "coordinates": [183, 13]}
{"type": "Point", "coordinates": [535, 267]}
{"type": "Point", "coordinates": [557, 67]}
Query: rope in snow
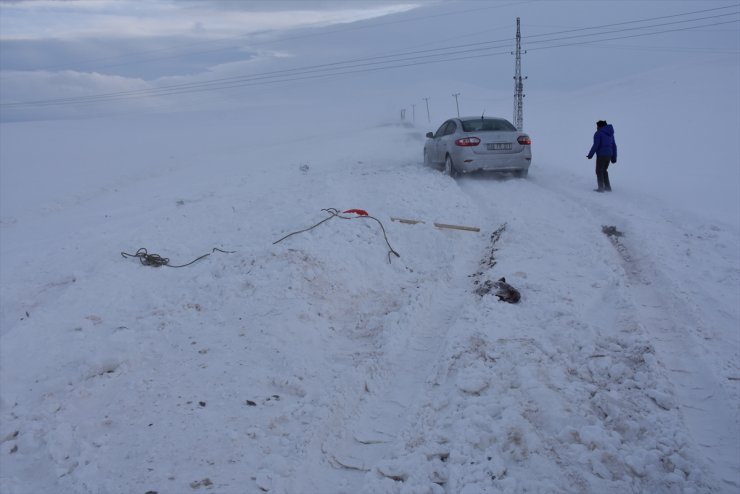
{"type": "Point", "coordinates": [156, 260]}
{"type": "Point", "coordinates": [335, 213]}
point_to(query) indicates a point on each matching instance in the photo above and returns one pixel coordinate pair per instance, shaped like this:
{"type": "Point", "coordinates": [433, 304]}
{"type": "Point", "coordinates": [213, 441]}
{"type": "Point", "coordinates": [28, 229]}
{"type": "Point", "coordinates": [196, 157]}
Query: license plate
{"type": "Point", "coordinates": [498, 146]}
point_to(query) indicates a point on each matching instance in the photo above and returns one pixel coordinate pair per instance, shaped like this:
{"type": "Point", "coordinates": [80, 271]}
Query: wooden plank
{"type": "Point", "coordinates": [438, 225]}
{"type": "Point", "coordinates": [457, 227]}
{"type": "Point", "coordinates": [408, 222]}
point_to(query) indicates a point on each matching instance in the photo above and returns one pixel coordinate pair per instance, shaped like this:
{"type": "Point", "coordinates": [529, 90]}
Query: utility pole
{"type": "Point", "coordinates": [429, 119]}
{"type": "Point", "coordinates": [413, 112]}
{"type": "Point", "coordinates": [456, 103]}
{"type": "Point", "coordinates": [518, 82]}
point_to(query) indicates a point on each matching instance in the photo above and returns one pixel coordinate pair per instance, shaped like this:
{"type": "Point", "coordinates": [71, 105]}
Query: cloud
{"type": "Point", "coordinates": [71, 48]}
{"type": "Point", "coordinates": [130, 57]}
{"type": "Point", "coordinates": [43, 85]}
{"type": "Point", "coordinates": [77, 48]}
{"type": "Point", "coordinates": [42, 94]}
{"type": "Point", "coordinates": [128, 18]}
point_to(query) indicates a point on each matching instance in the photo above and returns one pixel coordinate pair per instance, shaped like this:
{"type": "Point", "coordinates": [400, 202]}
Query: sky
{"type": "Point", "coordinates": [197, 54]}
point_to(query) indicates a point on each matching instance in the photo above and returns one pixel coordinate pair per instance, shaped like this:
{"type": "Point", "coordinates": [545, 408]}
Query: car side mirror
{"type": "Point", "coordinates": [429, 135]}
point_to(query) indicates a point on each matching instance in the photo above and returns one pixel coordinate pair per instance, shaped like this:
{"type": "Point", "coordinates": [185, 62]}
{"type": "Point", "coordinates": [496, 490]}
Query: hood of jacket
{"type": "Point", "coordinates": [607, 130]}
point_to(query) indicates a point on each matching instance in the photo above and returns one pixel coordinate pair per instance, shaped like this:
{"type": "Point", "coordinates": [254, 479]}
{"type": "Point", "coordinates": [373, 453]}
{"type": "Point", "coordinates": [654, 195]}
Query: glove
{"type": "Point", "coordinates": [614, 160]}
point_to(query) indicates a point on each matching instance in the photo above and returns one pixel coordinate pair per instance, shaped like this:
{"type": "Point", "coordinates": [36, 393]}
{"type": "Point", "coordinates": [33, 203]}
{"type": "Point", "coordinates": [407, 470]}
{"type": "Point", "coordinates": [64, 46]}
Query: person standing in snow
{"type": "Point", "coordinates": [605, 148]}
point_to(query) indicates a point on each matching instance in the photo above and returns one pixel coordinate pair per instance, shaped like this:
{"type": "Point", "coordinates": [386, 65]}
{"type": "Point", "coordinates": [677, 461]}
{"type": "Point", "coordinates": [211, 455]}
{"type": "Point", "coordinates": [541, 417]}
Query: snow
{"type": "Point", "coordinates": [324, 364]}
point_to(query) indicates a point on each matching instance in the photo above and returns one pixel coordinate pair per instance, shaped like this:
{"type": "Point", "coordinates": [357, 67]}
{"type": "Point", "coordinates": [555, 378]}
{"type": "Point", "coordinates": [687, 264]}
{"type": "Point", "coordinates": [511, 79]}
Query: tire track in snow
{"type": "Point", "coordinates": [394, 352]}
{"type": "Point", "coordinates": [672, 327]}
{"type": "Point", "coordinates": [704, 404]}
{"type": "Point", "coordinates": [400, 371]}
{"type": "Point", "coordinates": [405, 371]}
{"type": "Point", "coordinates": [618, 345]}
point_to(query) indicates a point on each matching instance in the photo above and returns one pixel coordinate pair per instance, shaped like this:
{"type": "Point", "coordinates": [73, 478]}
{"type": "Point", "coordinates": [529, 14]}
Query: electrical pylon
{"type": "Point", "coordinates": [518, 82]}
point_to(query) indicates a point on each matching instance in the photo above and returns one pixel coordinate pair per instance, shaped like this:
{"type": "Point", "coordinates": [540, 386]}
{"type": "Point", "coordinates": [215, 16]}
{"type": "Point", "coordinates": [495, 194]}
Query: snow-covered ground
{"type": "Point", "coordinates": [324, 364]}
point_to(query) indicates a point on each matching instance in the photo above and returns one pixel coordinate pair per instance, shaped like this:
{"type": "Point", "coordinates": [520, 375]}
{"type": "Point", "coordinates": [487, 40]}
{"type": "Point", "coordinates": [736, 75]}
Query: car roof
{"type": "Point", "coordinates": [484, 117]}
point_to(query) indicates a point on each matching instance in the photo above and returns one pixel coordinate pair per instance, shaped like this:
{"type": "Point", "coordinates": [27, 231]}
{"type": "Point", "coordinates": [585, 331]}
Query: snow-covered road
{"type": "Point", "coordinates": [323, 364]}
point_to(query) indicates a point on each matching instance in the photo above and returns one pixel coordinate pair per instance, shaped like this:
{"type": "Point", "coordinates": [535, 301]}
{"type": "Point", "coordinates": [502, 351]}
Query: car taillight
{"type": "Point", "coordinates": [524, 140]}
{"type": "Point", "coordinates": [467, 141]}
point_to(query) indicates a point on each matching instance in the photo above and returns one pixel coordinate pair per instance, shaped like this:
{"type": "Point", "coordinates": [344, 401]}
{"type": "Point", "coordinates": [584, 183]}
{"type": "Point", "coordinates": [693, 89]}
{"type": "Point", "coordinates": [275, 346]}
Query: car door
{"type": "Point", "coordinates": [447, 141]}
{"type": "Point", "coordinates": [439, 150]}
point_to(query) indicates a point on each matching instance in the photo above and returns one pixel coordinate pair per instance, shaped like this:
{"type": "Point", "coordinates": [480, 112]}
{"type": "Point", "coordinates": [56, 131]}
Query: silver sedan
{"type": "Point", "coordinates": [469, 144]}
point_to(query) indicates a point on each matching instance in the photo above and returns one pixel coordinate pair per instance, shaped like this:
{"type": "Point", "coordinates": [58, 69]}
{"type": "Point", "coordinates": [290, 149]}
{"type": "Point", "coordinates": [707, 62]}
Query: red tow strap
{"type": "Point", "coordinates": [359, 212]}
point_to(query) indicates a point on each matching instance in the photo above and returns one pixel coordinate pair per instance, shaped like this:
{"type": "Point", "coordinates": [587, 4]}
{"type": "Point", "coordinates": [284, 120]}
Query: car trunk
{"type": "Point", "coordinates": [497, 143]}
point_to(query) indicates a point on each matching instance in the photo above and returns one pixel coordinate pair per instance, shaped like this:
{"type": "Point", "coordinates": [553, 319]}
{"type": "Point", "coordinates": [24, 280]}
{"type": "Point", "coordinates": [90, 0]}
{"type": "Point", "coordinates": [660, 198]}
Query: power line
{"type": "Point", "coordinates": [231, 45]}
{"type": "Point", "coordinates": [340, 68]}
{"type": "Point", "coordinates": [647, 19]}
{"type": "Point", "coordinates": [288, 75]}
{"type": "Point", "coordinates": [267, 76]}
{"type": "Point", "coordinates": [604, 33]}
{"type": "Point", "coordinates": [417, 18]}
{"type": "Point", "coordinates": [212, 85]}
{"type": "Point", "coordinates": [392, 22]}
{"type": "Point", "coordinates": [634, 35]}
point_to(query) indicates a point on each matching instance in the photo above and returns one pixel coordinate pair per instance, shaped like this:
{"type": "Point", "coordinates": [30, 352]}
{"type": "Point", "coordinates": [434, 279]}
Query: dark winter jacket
{"type": "Point", "coordinates": [604, 143]}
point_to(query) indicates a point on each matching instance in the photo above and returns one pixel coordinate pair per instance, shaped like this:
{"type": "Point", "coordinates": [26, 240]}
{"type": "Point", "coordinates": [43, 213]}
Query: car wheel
{"type": "Point", "coordinates": [521, 173]}
{"type": "Point", "coordinates": [450, 167]}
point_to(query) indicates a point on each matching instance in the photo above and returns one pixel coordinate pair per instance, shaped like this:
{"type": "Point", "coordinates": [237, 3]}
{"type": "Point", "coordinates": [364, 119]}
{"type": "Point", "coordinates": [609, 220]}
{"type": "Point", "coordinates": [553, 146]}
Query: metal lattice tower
{"type": "Point", "coordinates": [518, 82]}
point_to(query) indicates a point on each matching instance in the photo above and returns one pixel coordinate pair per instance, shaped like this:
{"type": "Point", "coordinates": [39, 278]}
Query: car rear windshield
{"type": "Point", "coordinates": [483, 124]}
